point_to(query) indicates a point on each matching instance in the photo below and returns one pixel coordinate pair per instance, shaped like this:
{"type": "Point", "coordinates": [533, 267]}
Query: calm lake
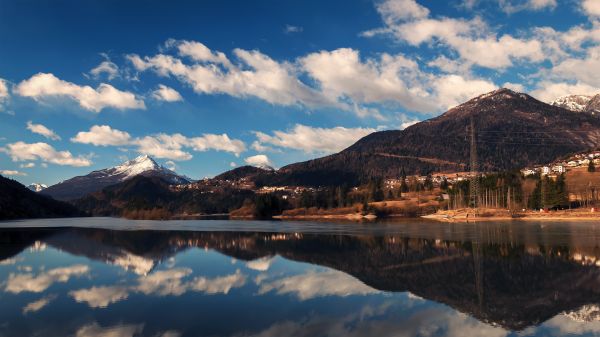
{"type": "Point", "coordinates": [114, 277]}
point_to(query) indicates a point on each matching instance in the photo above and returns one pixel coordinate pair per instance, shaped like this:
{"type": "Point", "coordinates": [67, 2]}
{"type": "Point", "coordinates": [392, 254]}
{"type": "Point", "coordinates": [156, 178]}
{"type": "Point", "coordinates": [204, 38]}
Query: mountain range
{"type": "Point", "coordinates": [80, 186]}
{"type": "Point", "coordinates": [512, 130]}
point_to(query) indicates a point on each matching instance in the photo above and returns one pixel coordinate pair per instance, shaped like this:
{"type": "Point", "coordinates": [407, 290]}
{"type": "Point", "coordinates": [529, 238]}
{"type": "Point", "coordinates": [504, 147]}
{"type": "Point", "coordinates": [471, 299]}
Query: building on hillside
{"type": "Point", "coordinates": [560, 169]}
{"type": "Point", "coordinates": [572, 163]}
{"type": "Point", "coordinates": [545, 170]}
{"type": "Point", "coordinates": [527, 172]}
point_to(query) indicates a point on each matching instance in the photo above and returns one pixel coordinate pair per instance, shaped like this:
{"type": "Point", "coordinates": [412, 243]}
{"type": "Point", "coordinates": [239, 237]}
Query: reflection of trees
{"type": "Point", "coordinates": [508, 282]}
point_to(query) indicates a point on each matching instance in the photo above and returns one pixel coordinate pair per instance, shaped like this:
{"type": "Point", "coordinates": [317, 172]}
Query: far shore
{"type": "Point", "coordinates": [468, 215]}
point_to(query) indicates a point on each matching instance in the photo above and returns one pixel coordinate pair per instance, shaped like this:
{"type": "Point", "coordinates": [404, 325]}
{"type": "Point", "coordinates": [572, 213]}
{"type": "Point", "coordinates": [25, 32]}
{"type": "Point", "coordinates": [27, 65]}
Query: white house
{"type": "Point", "coordinates": [559, 169]}
{"type": "Point", "coordinates": [545, 170]}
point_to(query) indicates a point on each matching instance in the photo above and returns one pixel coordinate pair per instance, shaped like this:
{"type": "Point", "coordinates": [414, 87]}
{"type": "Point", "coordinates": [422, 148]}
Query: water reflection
{"type": "Point", "coordinates": [493, 280]}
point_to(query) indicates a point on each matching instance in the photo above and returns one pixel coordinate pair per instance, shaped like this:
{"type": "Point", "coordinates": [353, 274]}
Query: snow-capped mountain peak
{"type": "Point", "coordinates": [137, 166]}
{"type": "Point", "coordinates": [37, 187]}
{"type": "Point", "coordinates": [577, 103]}
{"type": "Point", "coordinates": [77, 187]}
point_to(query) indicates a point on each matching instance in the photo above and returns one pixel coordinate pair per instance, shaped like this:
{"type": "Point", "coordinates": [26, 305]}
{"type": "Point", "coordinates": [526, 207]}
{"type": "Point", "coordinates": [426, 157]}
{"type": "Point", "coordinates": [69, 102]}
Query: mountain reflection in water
{"type": "Point", "coordinates": [477, 280]}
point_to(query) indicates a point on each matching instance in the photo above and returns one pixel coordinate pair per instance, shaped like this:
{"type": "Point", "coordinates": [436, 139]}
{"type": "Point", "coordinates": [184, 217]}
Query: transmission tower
{"type": "Point", "coordinates": [474, 183]}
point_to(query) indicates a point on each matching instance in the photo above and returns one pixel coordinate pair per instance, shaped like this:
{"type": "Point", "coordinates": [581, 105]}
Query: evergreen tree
{"type": "Point", "coordinates": [428, 184]}
{"type": "Point", "coordinates": [444, 184]}
{"type": "Point", "coordinates": [591, 166]}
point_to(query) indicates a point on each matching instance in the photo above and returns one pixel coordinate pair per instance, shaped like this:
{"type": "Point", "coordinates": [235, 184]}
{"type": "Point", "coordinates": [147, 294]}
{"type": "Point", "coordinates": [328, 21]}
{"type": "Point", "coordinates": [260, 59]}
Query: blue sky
{"type": "Point", "coordinates": [207, 86]}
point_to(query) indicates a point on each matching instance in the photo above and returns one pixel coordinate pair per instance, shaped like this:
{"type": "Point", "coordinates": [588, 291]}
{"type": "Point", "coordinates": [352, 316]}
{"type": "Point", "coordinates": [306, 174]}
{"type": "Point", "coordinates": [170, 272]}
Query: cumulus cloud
{"type": "Point", "coordinates": [212, 73]}
{"type": "Point", "coordinates": [12, 173]}
{"type": "Point", "coordinates": [170, 282]}
{"type": "Point", "coordinates": [3, 92]}
{"type": "Point", "coordinates": [452, 90]}
{"type": "Point", "coordinates": [39, 304]}
{"type": "Point", "coordinates": [471, 39]}
{"type": "Point", "coordinates": [122, 330]}
{"type": "Point", "coordinates": [259, 160]}
{"type": "Point", "coordinates": [313, 139]}
{"type": "Point", "coordinates": [548, 91]}
{"type": "Point", "coordinates": [511, 6]}
{"type": "Point", "coordinates": [27, 165]}
{"type": "Point", "coordinates": [110, 69]}
{"type": "Point", "coordinates": [160, 145]}
{"type": "Point", "coordinates": [262, 264]}
{"type": "Point", "coordinates": [317, 284]}
{"type": "Point", "coordinates": [21, 151]}
{"type": "Point", "coordinates": [100, 297]}
{"type": "Point", "coordinates": [42, 130]}
{"type": "Point", "coordinates": [102, 135]}
{"type": "Point", "coordinates": [28, 282]}
{"type": "Point", "coordinates": [46, 85]}
{"type": "Point", "coordinates": [164, 93]}
{"type": "Point", "coordinates": [591, 7]}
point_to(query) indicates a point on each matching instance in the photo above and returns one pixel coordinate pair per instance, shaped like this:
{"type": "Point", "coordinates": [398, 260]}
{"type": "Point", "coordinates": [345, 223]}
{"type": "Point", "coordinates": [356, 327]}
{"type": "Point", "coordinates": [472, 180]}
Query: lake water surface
{"type": "Point", "coordinates": [114, 277]}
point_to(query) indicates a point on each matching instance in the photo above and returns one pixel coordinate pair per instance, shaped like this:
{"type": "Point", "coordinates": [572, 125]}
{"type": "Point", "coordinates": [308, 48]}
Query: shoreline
{"type": "Point", "coordinates": [503, 215]}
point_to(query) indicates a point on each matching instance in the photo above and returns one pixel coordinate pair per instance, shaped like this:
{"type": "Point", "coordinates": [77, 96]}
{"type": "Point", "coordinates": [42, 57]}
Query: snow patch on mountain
{"type": "Point", "coordinates": [37, 187]}
{"type": "Point", "coordinates": [577, 103]}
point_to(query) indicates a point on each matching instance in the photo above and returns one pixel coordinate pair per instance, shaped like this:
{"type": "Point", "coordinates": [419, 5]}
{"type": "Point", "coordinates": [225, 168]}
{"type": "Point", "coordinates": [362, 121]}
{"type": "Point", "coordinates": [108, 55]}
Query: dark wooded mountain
{"type": "Point", "coordinates": [79, 186]}
{"type": "Point", "coordinates": [153, 197]}
{"type": "Point", "coordinates": [242, 172]}
{"type": "Point", "coordinates": [19, 202]}
{"type": "Point", "coordinates": [513, 130]}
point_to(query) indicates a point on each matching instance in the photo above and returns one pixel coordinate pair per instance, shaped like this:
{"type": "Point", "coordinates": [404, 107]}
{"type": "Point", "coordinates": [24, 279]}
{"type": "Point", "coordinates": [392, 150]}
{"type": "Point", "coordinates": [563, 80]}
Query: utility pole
{"type": "Point", "coordinates": [474, 183]}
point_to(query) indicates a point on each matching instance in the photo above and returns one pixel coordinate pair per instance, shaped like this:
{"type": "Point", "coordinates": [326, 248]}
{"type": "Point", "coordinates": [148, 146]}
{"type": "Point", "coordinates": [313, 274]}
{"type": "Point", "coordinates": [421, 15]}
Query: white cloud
{"type": "Point", "coordinates": [18, 283]}
{"type": "Point", "coordinates": [393, 11]}
{"type": "Point", "coordinates": [289, 29]}
{"type": "Point", "coordinates": [471, 39]}
{"type": "Point", "coordinates": [122, 330]}
{"type": "Point", "coordinates": [314, 140]}
{"type": "Point", "coordinates": [164, 93]}
{"type": "Point", "coordinates": [258, 76]}
{"type": "Point", "coordinates": [12, 173]}
{"type": "Point", "coordinates": [341, 74]}
{"type": "Point", "coordinates": [547, 91]}
{"type": "Point", "coordinates": [514, 86]}
{"type": "Point", "coordinates": [217, 142]}
{"type": "Point", "coordinates": [218, 285]}
{"type": "Point", "coordinates": [42, 130]}
{"type": "Point", "coordinates": [198, 52]}
{"type": "Point", "coordinates": [27, 165]}
{"type": "Point", "coordinates": [100, 297]}
{"type": "Point", "coordinates": [580, 69]}
{"type": "Point", "coordinates": [232, 164]}
{"type": "Point", "coordinates": [404, 125]}
{"type": "Point", "coordinates": [259, 160]}
{"type": "Point", "coordinates": [21, 151]}
{"type": "Point", "coordinates": [160, 145]}
{"type": "Point", "coordinates": [317, 284]}
{"type": "Point", "coordinates": [45, 85]}
{"type": "Point", "coordinates": [163, 146]}
{"type": "Point", "coordinates": [102, 135]}
{"type": "Point", "coordinates": [170, 282]}
{"type": "Point", "coordinates": [591, 7]}
{"type": "Point", "coordinates": [105, 67]}
{"type": "Point", "coordinates": [261, 264]}
{"type": "Point", "coordinates": [3, 92]}
{"type": "Point", "coordinates": [39, 304]}
{"type": "Point", "coordinates": [171, 165]}
{"type": "Point", "coordinates": [509, 6]}
{"type": "Point", "coordinates": [452, 90]}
